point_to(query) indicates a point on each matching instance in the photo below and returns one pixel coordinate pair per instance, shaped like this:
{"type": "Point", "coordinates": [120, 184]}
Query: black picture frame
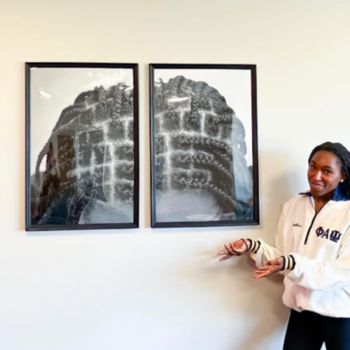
{"type": "Point", "coordinates": [203, 144]}
{"type": "Point", "coordinates": [82, 146]}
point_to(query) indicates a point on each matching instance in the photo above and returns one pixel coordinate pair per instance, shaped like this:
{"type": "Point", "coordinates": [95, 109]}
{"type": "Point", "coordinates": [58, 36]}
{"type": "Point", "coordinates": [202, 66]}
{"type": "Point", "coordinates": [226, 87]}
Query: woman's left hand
{"type": "Point", "coordinates": [269, 268]}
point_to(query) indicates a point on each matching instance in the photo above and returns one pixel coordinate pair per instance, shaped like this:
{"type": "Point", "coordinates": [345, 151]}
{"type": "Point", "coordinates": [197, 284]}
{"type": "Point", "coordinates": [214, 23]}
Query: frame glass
{"type": "Point", "coordinates": [204, 153]}
{"type": "Point", "coordinates": [82, 160]}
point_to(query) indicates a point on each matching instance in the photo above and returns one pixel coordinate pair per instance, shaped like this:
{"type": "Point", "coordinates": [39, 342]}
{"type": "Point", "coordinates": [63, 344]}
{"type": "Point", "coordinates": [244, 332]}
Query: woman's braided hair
{"type": "Point", "coordinates": [344, 156]}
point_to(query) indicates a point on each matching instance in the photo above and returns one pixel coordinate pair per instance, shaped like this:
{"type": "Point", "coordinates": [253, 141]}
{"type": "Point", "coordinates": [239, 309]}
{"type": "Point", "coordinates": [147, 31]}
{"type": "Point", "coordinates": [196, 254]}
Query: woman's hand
{"type": "Point", "coordinates": [236, 248]}
{"type": "Point", "coordinates": [269, 268]}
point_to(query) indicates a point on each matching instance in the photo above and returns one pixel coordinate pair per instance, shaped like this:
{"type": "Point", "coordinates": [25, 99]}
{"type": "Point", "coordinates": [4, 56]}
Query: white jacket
{"type": "Point", "coordinates": [320, 245]}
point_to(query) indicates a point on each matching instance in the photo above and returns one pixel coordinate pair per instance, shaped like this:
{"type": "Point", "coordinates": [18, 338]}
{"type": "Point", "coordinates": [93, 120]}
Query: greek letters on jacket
{"type": "Point", "coordinates": [332, 235]}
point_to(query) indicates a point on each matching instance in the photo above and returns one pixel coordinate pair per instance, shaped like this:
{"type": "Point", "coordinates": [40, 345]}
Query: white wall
{"type": "Point", "coordinates": [157, 289]}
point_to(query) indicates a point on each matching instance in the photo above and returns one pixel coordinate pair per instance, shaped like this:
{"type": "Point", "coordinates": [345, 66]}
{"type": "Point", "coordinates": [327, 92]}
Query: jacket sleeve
{"type": "Point", "coordinates": [314, 274]}
{"type": "Point", "coordinates": [264, 253]}
{"type": "Point", "coordinates": [267, 252]}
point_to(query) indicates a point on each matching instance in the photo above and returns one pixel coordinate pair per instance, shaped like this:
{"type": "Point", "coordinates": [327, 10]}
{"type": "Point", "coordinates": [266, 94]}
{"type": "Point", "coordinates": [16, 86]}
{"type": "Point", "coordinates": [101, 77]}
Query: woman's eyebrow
{"type": "Point", "coordinates": [322, 166]}
{"type": "Point", "coordinates": [327, 167]}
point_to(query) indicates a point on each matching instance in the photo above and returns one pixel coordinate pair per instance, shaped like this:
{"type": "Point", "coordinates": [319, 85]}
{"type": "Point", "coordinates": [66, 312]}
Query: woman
{"type": "Point", "coordinates": [313, 252]}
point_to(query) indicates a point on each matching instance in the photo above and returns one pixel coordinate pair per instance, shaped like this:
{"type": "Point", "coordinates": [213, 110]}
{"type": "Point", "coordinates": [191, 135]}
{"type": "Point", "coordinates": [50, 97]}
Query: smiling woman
{"type": "Point", "coordinates": [324, 176]}
{"type": "Point", "coordinates": [313, 252]}
{"type": "Point", "coordinates": [328, 169]}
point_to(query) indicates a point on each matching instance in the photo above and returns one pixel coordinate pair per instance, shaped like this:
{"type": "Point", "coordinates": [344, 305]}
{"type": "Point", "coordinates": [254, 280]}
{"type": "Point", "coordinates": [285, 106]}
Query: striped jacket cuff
{"type": "Point", "coordinates": [252, 245]}
{"type": "Point", "coordinates": [288, 262]}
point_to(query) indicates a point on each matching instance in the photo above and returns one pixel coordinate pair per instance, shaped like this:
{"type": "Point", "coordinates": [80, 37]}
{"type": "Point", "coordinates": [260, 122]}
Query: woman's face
{"type": "Point", "coordinates": [324, 173]}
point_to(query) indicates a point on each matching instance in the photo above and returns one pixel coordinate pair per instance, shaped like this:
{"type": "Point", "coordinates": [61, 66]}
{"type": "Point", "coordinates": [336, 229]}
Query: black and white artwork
{"type": "Point", "coordinates": [81, 146]}
{"type": "Point", "coordinates": [204, 167]}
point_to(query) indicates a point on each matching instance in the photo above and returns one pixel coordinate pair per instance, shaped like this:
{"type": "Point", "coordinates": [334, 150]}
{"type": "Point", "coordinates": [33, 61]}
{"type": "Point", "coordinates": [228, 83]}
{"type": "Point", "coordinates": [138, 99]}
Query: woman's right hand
{"type": "Point", "coordinates": [235, 248]}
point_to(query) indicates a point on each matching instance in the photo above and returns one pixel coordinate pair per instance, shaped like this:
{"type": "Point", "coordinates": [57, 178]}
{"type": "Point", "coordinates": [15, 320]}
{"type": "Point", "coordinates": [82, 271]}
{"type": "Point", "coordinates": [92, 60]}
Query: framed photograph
{"type": "Point", "coordinates": [204, 148]}
{"type": "Point", "coordinates": [82, 166]}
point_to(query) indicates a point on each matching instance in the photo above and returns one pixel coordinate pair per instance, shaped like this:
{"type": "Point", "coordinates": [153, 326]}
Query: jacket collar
{"type": "Point", "coordinates": [337, 195]}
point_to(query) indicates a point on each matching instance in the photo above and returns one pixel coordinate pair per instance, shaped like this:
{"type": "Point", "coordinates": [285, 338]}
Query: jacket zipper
{"type": "Point", "coordinates": [309, 229]}
{"type": "Point", "coordinates": [312, 222]}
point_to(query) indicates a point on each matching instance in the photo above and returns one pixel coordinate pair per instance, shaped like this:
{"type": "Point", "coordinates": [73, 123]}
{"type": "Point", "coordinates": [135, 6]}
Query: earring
{"type": "Point", "coordinates": [342, 180]}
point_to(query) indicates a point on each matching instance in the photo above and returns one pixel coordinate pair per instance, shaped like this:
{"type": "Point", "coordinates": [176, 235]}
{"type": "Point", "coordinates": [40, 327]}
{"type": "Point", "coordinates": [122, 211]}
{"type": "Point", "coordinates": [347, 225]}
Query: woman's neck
{"type": "Point", "coordinates": [321, 201]}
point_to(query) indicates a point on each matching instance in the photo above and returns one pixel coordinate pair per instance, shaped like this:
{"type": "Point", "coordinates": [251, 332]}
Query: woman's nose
{"type": "Point", "coordinates": [318, 175]}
